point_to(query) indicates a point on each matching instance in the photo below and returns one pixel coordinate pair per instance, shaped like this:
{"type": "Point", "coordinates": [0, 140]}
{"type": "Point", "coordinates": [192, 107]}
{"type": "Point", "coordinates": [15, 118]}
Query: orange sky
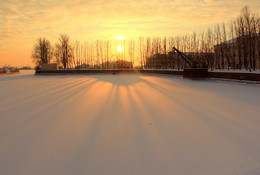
{"type": "Point", "coordinates": [22, 22]}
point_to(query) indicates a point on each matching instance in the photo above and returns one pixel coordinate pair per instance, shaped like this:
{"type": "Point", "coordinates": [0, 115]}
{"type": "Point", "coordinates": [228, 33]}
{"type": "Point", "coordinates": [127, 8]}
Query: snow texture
{"type": "Point", "coordinates": [127, 124]}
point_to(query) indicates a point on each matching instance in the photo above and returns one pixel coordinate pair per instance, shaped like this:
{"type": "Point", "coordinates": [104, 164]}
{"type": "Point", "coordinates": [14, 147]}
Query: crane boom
{"type": "Point", "coordinates": [188, 60]}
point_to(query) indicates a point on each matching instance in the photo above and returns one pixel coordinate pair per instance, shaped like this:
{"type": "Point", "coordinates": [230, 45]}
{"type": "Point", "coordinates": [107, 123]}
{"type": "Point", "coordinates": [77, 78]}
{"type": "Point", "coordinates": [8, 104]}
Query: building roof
{"type": "Point", "coordinates": [234, 40]}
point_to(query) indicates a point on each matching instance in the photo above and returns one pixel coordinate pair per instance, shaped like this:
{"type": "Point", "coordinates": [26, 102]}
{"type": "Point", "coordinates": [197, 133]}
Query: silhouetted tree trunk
{"type": "Point", "coordinates": [107, 54]}
{"type": "Point", "coordinates": [141, 51]}
{"type": "Point", "coordinates": [225, 50]}
{"type": "Point", "coordinates": [233, 47]}
{"type": "Point", "coordinates": [248, 34]}
{"type": "Point", "coordinates": [131, 50]}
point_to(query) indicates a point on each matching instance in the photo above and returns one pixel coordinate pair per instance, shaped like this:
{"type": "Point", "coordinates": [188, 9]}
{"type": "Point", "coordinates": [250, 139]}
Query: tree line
{"type": "Point", "coordinates": [235, 46]}
{"type": "Point", "coordinates": [44, 52]}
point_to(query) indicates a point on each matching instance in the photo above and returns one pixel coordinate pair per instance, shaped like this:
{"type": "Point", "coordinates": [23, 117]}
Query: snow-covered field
{"type": "Point", "coordinates": [127, 124]}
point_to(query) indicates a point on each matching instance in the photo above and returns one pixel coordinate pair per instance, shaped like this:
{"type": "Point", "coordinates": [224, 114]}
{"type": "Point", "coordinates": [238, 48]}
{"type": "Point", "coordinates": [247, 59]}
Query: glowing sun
{"type": "Point", "coordinates": [119, 48]}
{"type": "Point", "coordinates": [120, 37]}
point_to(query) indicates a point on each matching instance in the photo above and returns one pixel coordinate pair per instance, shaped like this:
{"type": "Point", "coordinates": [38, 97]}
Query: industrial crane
{"type": "Point", "coordinates": [195, 71]}
{"type": "Point", "coordinates": [189, 61]}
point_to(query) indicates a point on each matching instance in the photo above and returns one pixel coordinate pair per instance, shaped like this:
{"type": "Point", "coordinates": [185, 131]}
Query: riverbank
{"type": "Point", "coordinates": [250, 76]}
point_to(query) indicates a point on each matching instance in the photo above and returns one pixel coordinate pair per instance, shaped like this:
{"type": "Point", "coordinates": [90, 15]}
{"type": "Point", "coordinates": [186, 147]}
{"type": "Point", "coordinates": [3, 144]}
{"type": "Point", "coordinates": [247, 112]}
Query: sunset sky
{"type": "Point", "coordinates": [23, 21]}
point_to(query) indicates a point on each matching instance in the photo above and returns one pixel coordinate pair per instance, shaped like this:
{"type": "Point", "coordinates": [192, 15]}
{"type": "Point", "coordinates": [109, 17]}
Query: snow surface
{"type": "Point", "coordinates": [127, 124]}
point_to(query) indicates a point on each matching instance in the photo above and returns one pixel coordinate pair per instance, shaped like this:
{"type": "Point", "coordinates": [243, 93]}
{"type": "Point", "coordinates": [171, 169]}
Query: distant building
{"type": "Point", "coordinates": [50, 66]}
{"type": "Point", "coordinates": [8, 70]}
{"type": "Point", "coordinates": [238, 52]}
{"type": "Point", "coordinates": [119, 64]}
{"type": "Point", "coordinates": [25, 68]}
{"type": "Point", "coordinates": [172, 60]}
{"type": "Point", "coordinates": [160, 61]}
{"type": "Point", "coordinates": [96, 66]}
{"type": "Point", "coordinates": [2, 71]}
{"type": "Point", "coordinates": [83, 66]}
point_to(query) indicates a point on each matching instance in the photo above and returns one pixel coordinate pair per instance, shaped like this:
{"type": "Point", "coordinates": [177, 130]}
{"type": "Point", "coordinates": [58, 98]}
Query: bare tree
{"type": "Point", "coordinates": [243, 40]}
{"type": "Point", "coordinates": [233, 48]}
{"type": "Point", "coordinates": [141, 51]}
{"type": "Point", "coordinates": [64, 50]}
{"type": "Point", "coordinates": [76, 59]}
{"type": "Point", "coordinates": [42, 52]}
{"type": "Point", "coordinates": [98, 53]}
{"type": "Point", "coordinates": [148, 50]}
{"type": "Point", "coordinates": [254, 40]}
{"type": "Point", "coordinates": [107, 53]}
{"type": "Point", "coordinates": [84, 50]}
{"type": "Point", "coordinates": [131, 50]}
{"type": "Point", "coordinates": [177, 43]}
{"type": "Point", "coordinates": [238, 41]}
{"type": "Point", "coordinates": [248, 35]}
{"type": "Point", "coordinates": [225, 49]}
{"type": "Point", "coordinates": [101, 52]}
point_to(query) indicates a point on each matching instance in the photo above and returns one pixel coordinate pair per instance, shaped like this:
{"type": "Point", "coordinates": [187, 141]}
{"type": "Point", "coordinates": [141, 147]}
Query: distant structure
{"type": "Point", "coordinates": [119, 64]}
{"type": "Point", "coordinates": [2, 71]}
{"type": "Point", "coordinates": [240, 52]}
{"type": "Point", "coordinates": [83, 66]}
{"type": "Point", "coordinates": [172, 60]}
{"type": "Point", "coordinates": [160, 61]}
{"type": "Point", "coordinates": [8, 69]}
{"type": "Point", "coordinates": [50, 66]}
{"type": "Point", "coordinates": [25, 68]}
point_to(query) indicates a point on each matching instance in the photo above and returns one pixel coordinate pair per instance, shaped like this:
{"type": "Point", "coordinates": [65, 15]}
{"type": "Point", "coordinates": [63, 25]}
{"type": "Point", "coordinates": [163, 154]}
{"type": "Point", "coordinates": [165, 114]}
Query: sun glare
{"type": "Point", "coordinates": [119, 48]}
{"type": "Point", "coordinates": [120, 37]}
